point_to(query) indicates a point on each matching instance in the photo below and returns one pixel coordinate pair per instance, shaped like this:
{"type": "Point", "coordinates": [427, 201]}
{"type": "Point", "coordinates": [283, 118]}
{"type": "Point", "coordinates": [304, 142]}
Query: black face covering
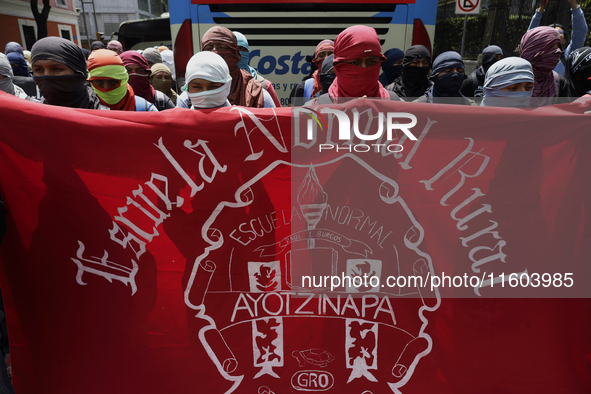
{"type": "Point", "coordinates": [67, 91]}
{"type": "Point", "coordinates": [64, 90]}
{"type": "Point", "coordinates": [326, 76]}
{"type": "Point", "coordinates": [488, 56]}
{"type": "Point", "coordinates": [448, 85]}
{"type": "Point", "coordinates": [326, 81]}
{"type": "Point", "coordinates": [578, 71]}
{"type": "Point", "coordinates": [413, 81]}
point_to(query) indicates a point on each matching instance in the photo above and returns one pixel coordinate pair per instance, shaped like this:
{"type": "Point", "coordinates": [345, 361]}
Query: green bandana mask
{"type": "Point", "coordinates": [117, 94]}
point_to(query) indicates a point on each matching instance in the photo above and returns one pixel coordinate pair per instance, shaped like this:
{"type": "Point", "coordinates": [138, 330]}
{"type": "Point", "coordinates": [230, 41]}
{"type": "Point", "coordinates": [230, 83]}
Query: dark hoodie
{"type": "Point", "coordinates": [473, 85]}
{"type": "Point", "coordinates": [414, 81]}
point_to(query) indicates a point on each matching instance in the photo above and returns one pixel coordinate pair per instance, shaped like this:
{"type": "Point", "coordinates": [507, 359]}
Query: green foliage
{"type": "Point", "coordinates": [507, 35]}
{"type": "Point", "coordinates": [448, 35]}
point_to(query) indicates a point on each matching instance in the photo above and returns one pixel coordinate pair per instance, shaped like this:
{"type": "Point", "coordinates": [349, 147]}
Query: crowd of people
{"type": "Point", "coordinates": [58, 72]}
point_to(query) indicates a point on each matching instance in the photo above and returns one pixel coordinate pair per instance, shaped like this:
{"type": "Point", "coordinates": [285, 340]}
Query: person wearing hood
{"type": "Point", "coordinates": [19, 64]}
{"type": "Point", "coordinates": [13, 46]}
{"type": "Point", "coordinates": [578, 72]}
{"type": "Point", "coordinates": [508, 83]}
{"type": "Point", "coordinates": [152, 56]}
{"type": "Point", "coordinates": [59, 70]}
{"type": "Point", "coordinates": [208, 81]}
{"type": "Point", "coordinates": [447, 77]}
{"type": "Point", "coordinates": [139, 79]}
{"type": "Point", "coordinates": [244, 53]}
{"type": "Point", "coordinates": [6, 76]}
{"type": "Point", "coordinates": [21, 75]}
{"type": "Point", "coordinates": [357, 63]}
{"type": "Point", "coordinates": [96, 45]}
{"type": "Point", "coordinates": [245, 90]}
{"type": "Point", "coordinates": [414, 79]}
{"type": "Point", "coordinates": [327, 75]}
{"type": "Point", "coordinates": [161, 79]}
{"type": "Point", "coordinates": [392, 67]}
{"type": "Point", "coordinates": [542, 48]}
{"type": "Point", "coordinates": [243, 64]}
{"type": "Point", "coordinates": [473, 86]}
{"type": "Point", "coordinates": [115, 46]}
{"type": "Point", "coordinates": [578, 34]}
{"type": "Point", "coordinates": [308, 88]}
{"type": "Point", "coordinates": [108, 77]}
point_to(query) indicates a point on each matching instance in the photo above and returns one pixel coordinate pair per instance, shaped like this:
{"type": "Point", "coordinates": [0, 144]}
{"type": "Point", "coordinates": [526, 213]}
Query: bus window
{"type": "Point", "coordinates": [145, 33]}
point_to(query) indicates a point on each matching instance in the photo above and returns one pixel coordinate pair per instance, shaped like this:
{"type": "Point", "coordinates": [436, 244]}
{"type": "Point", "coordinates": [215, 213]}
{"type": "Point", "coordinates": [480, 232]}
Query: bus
{"type": "Point", "coordinates": [281, 35]}
{"type": "Point", "coordinates": [145, 33]}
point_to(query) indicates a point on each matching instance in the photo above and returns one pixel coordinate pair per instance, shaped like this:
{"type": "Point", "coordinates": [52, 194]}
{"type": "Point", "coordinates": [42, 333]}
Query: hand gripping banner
{"type": "Point", "coordinates": [365, 247]}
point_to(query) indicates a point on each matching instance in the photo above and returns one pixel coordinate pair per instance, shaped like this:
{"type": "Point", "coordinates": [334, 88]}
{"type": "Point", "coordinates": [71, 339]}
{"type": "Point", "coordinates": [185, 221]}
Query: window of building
{"type": "Point", "coordinates": [30, 36]}
{"type": "Point", "coordinates": [65, 31]}
{"type": "Point", "coordinates": [61, 3]}
{"type": "Point", "coordinates": [28, 30]}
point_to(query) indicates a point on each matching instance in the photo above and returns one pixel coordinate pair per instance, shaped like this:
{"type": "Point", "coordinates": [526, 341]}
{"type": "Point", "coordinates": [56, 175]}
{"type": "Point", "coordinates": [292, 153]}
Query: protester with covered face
{"type": "Point", "coordinates": [542, 48]}
{"type": "Point", "coordinates": [13, 46]}
{"type": "Point", "coordinates": [21, 79]}
{"type": "Point", "coordinates": [327, 75]}
{"type": "Point", "coordinates": [245, 90]}
{"type": "Point", "coordinates": [392, 67]}
{"type": "Point", "coordinates": [357, 63]}
{"type": "Point", "coordinates": [578, 72]}
{"type": "Point", "coordinates": [6, 76]}
{"type": "Point", "coordinates": [208, 81]}
{"type": "Point", "coordinates": [508, 83]}
{"type": "Point", "coordinates": [139, 79]}
{"type": "Point", "coordinates": [414, 79]}
{"type": "Point", "coordinates": [19, 64]}
{"type": "Point", "coordinates": [161, 79]}
{"type": "Point", "coordinates": [473, 86]}
{"type": "Point", "coordinates": [447, 77]}
{"type": "Point", "coordinates": [308, 88]}
{"type": "Point", "coordinates": [59, 70]}
{"type": "Point", "coordinates": [243, 64]}
{"type": "Point", "coordinates": [578, 35]}
{"type": "Point", "coordinates": [109, 78]}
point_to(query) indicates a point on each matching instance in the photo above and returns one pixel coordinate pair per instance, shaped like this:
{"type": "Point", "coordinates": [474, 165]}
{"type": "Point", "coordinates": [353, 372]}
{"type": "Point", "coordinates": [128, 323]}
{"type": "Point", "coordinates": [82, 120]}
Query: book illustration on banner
{"type": "Point", "coordinates": [270, 275]}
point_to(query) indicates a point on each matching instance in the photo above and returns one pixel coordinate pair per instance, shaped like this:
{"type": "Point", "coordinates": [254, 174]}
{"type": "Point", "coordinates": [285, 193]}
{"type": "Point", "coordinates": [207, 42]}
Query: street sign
{"type": "Point", "coordinates": [467, 7]}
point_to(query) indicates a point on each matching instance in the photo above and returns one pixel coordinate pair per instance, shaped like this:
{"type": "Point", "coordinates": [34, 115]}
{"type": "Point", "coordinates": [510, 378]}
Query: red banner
{"type": "Point", "coordinates": [368, 247]}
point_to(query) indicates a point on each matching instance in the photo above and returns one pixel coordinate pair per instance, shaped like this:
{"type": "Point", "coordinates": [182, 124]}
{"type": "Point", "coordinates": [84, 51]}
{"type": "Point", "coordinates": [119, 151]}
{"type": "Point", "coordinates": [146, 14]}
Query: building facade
{"type": "Point", "coordinates": [18, 24]}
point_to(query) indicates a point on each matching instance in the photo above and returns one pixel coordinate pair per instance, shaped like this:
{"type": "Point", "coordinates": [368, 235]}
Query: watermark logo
{"type": "Point", "coordinates": [316, 116]}
{"type": "Point", "coordinates": [372, 131]}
